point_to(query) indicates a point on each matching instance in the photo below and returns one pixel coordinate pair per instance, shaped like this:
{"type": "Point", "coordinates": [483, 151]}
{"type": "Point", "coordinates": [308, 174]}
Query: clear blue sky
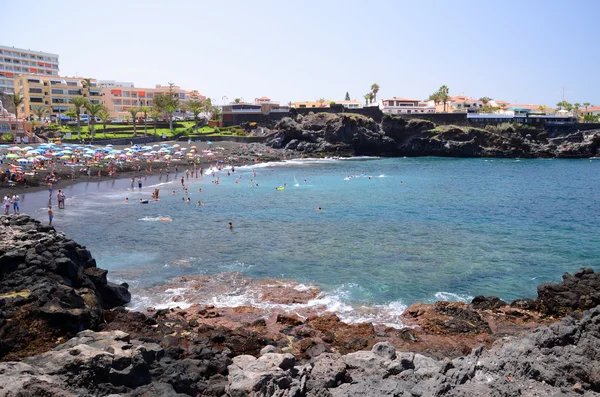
{"type": "Point", "coordinates": [521, 51]}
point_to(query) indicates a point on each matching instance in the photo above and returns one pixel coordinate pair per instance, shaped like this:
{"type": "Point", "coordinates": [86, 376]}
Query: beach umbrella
{"type": "Point", "coordinates": [210, 154]}
{"type": "Point", "coordinates": [209, 143]}
{"type": "Point", "coordinates": [163, 144]}
{"type": "Point", "coordinates": [176, 145]}
{"type": "Point", "coordinates": [3, 146]}
{"type": "Point", "coordinates": [147, 154]}
{"type": "Point", "coordinates": [14, 148]}
{"type": "Point", "coordinates": [28, 148]}
{"type": "Point", "coordinates": [12, 156]}
{"type": "Point", "coordinates": [155, 146]}
{"type": "Point", "coordinates": [65, 157]}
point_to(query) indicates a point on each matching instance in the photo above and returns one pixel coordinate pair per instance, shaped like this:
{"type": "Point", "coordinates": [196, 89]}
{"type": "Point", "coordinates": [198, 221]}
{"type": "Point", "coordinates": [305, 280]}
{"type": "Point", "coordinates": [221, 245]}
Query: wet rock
{"type": "Point", "coordinates": [487, 303]}
{"type": "Point", "coordinates": [580, 291]}
{"type": "Point", "coordinates": [287, 319]}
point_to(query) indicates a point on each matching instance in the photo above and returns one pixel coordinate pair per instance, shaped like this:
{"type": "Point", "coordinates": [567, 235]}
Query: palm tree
{"type": "Point", "coordinates": [541, 108]}
{"type": "Point", "coordinates": [444, 91]}
{"type": "Point", "coordinates": [93, 109]}
{"type": "Point", "coordinates": [87, 83]}
{"type": "Point", "coordinates": [321, 102]}
{"type": "Point", "coordinates": [155, 114]}
{"type": "Point", "coordinates": [237, 100]}
{"type": "Point", "coordinates": [374, 90]}
{"type": "Point", "coordinates": [39, 111]}
{"type": "Point", "coordinates": [485, 100]}
{"type": "Point", "coordinates": [367, 96]}
{"type": "Point", "coordinates": [133, 112]}
{"type": "Point", "coordinates": [576, 107]}
{"type": "Point", "coordinates": [78, 102]}
{"type": "Point", "coordinates": [104, 117]}
{"type": "Point", "coordinates": [144, 110]}
{"type": "Point", "coordinates": [17, 100]}
{"type": "Point", "coordinates": [586, 104]}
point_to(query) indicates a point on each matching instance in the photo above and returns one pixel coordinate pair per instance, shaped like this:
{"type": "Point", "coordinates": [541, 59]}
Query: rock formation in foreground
{"type": "Point", "coordinates": [50, 288]}
{"type": "Point", "coordinates": [352, 134]}
{"type": "Point", "coordinates": [560, 360]}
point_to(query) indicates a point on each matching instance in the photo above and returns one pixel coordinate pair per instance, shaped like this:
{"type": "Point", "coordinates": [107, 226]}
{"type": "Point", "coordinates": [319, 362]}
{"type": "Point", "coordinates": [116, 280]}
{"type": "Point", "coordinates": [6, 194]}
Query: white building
{"type": "Point", "coordinates": [405, 105]}
{"type": "Point", "coordinates": [15, 61]}
{"type": "Point", "coordinates": [113, 83]}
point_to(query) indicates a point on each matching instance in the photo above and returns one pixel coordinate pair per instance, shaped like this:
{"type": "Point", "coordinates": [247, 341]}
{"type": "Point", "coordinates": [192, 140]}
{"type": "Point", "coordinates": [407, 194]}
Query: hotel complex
{"type": "Point", "coordinates": [15, 61]}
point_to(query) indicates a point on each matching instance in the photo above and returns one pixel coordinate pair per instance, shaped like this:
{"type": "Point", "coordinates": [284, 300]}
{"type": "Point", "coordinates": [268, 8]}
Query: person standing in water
{"type": "Point", "coordinates": [140, 183]}
{"type": "Point", "coordinates": [50, 215]}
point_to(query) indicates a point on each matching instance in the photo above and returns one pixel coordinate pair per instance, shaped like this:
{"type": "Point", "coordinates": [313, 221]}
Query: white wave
{"type": "Point", "coordinates": [382, 176]}
{"type": "Point", "coordinates": [452, 297]}
{"type": "Point", "coordinates": [156, 219]}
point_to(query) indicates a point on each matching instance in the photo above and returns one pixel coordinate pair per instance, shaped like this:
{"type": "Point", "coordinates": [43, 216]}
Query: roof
{"type": "Point", "coordinates": [403, 99]}
{"type": "Point", "coordinates": [528, 106]}
{"type": "Point", "coordinates": [590, 109]}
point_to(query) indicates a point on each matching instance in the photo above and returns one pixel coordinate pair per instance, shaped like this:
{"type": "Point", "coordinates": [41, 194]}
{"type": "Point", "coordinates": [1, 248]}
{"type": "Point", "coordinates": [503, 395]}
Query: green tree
{"type": "Point", "coordinates": [87, 84]}
{"type": "Point", "coordinates": [237, 100]}
{"type": "Point", "coordinates": [347, 97]}
{"type": "Point", "coordinates": [133, 111]}
{"type": "Point", "coordinates": [542, 108]}
{"type": "Point", "coordinates": [17, 100]}
{"type": "Point", "coordinates": [39, 112]}
{"type": "Point", "coordinates": [145, 110]}
{"type": "Point", "coordinates": [104, 117]}
{"type": "Point", "coordinates": [485, 100]}
{"type": "Point", "coordinates": [321, 101]}
{"type": "Point", "coordinates": [587, 105]}
{"type": "Point", "coordinates": [444, 96]}
{"type": "Point", "coordinates": [78, 102]}
{"type": "Point", "coordinates": [93, 109]}
{"type": "Point", "coordinates": [195, 105]}
{"type": "Point", "coordinates": [168, 104]}
{"type": "Point", "coordinates": [367, 96]}
{"type": "Point", "coordinates": [374, 90]}
{"type": "Point", "coordinates": [155, 113]}
{"type": "Point", "coordinates": [576, 107]}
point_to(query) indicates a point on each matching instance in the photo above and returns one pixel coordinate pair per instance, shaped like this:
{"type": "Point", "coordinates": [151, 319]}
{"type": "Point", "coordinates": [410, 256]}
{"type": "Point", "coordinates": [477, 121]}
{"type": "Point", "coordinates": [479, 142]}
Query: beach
{"type": "Point", "coordinates": [226, 152]}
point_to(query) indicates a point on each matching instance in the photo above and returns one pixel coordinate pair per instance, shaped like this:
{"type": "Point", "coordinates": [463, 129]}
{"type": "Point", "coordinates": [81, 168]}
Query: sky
{"type": "Point", "coordinates": [521, 51]}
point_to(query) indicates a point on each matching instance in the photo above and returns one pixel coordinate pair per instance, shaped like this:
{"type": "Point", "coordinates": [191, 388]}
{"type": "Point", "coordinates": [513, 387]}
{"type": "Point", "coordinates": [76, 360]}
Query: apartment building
{"type": "Point", "coordinates": [119, 99]}
{"type": "Point", "coordinates": [406, 105]}
{"type": "Point", "coordinates": [114, 83]}
{"type": "Point", "coordinates": [53, 92]}
{"type": "Point", "coordinates": [15, 61]}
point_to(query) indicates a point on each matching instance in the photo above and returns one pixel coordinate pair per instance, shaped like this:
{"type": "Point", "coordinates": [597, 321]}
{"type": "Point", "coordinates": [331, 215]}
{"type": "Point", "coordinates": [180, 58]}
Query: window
{"type": "Point", "coordinates": [58, 92]}
{"type": "Point", "coordinates": [55, 82]}
{"type": "Point", "coordinates": [74, 92]}
{"type": "Point", "coordinates": [58, 100]}
{"type": "Point", "coordinates": [35, 91]}
{"type": "Point", "coordinates": [36, 100]}
{"type": "Point", "coordinates": [72, 83]}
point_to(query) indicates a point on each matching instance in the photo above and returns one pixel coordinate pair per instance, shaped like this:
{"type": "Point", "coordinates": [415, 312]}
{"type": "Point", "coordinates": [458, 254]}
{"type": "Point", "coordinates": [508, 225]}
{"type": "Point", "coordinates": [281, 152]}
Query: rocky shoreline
{"type": "Point", "coordinates": [323, 134]}
{"type": "Point", "coordinates": [64, 332]}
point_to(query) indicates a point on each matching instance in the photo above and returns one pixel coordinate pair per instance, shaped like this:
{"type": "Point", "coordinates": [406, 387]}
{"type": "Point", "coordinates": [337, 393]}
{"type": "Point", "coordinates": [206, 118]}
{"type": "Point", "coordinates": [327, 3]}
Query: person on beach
{"type": "Point", "coordinates": [50, 215]}
{"type": "Point", "coordinates": [61, 199]}
{"type": "Point", "coordinates": [15, 201]}
{"type": "Point", "coordinates": [6, 204]}
{"type": "Point", "coordinates": [140, 183]}
{"type": "Point", "coordinates": [50, 188]}
{"type": "Point", "coordinates": [182, 182]}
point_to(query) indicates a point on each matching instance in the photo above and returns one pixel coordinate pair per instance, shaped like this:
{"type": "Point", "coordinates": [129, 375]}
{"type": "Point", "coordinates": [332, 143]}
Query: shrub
{"type": "Point", "coordinates": [217, 130]}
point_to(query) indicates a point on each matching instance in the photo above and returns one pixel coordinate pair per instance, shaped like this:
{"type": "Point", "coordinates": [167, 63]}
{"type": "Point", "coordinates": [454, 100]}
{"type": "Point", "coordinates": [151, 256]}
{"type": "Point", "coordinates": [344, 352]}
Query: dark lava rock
{"type": "Point", "coordinates": [580, 291]}
{"type": "Point", "coordinates": [49, 286]}
{"type": "Point", "coordinates": [487, 303]}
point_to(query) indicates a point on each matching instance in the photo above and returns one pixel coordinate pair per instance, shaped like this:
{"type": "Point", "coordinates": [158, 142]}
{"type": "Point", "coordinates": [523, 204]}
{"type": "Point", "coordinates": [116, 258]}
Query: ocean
{"type": "Point", "coordinates": [390, 232]}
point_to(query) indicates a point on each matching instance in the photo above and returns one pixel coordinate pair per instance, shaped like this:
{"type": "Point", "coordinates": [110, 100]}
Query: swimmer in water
{"type": "Point", "coordinates": [199, 203]}
{"type": "Point", "coordinates": [126, 199]}
{"type": "Point", "coordinates": [173, 192]}
{"type": "Point", "coordinates": [319, 208]}
{"type": "Point", "coordinates": [230, 226]}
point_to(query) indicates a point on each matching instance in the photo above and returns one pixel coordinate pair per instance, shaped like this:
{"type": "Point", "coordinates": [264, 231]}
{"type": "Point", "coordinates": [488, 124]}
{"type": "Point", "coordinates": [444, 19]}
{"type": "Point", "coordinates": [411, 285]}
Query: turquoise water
{"type": "Point", "coordinates": [400, 231]}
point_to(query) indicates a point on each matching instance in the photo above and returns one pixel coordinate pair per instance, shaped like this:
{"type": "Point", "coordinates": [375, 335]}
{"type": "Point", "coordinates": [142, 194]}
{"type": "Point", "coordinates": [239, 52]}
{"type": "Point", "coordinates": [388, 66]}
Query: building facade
{"type": "Point", "coordinates": [405, 105]}
{"type": "Point", "coordinates": [114, 83]}
{"type": "Point", "coordinates": [120, 99]}
{"type": "Point", "coordinates": [53, 93]}
{"type": "Point", "coordinates": [15, 61]}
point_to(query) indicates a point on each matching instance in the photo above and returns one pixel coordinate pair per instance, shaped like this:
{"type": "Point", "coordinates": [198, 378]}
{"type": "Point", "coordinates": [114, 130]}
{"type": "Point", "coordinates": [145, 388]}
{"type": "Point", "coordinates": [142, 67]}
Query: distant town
{"type": "Point", "coordinates": [36, 92]}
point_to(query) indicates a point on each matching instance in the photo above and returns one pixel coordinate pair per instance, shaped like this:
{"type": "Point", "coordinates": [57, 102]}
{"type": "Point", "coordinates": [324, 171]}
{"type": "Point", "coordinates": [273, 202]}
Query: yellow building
{"type": "Point", "coordinates": [53, 93]}
{"type": "Point", "coordinates": [309, 104]}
